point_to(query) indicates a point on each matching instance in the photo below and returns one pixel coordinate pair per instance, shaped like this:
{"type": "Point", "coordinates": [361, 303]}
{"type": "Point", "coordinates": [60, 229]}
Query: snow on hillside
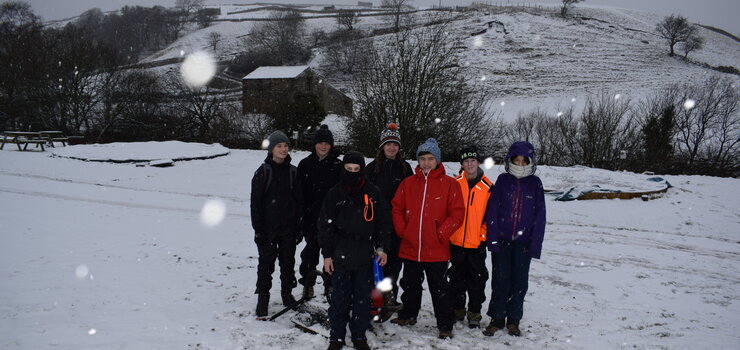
{"type": "Point", "coordinates": [525, 59]}
{"type": "Point", "coordinates": [113, 256]}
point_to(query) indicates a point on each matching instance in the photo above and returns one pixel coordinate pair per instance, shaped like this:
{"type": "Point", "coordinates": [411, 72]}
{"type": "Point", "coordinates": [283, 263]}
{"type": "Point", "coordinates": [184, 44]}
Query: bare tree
{"type": "Point", "coordinates": [674, 29]}
{"type": "Point", "coordinates": [199, 108]}
{"type": "Point", "coordinates": [281, 38]}
{"type": "Point", "coordinates": [397, 10]}
{"type": "Point", "coordinates": [567, 4]}
{"type": "Point", "coordinates": [349, 51]}
{"type": "Point", "coordinates": [693, 42]}
{"type": "Point", "coordinates": [191, 7]}
{"type": "Point", "coordinates": [707, 120]}
{"type": "Point", "coordinates": [603, 125]}
{"type": "Point", "coordinates": [416, 81]}
{"type": "Point", "coordinates": [347, 18]}
{"type": "Point", "coordinates": [214, 39]}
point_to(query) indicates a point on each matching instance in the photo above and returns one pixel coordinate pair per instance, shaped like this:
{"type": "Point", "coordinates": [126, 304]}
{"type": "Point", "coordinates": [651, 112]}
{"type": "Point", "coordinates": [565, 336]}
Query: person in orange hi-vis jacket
{"type": "Point", "coordinates": [468, 272]}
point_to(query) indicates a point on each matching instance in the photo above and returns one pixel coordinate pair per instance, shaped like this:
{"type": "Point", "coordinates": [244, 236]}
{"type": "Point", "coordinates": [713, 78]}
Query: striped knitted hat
{"type": "Point", "coordinates": [390, 134]}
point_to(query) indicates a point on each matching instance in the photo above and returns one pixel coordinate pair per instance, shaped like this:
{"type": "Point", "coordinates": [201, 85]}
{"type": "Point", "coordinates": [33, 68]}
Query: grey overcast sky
{"type": "Point", "coordinates": [719, 13]}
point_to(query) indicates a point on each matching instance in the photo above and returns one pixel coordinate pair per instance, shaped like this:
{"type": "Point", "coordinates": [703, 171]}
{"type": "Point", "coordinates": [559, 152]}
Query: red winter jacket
{"type": "Point", "coordinates": [426, 212]}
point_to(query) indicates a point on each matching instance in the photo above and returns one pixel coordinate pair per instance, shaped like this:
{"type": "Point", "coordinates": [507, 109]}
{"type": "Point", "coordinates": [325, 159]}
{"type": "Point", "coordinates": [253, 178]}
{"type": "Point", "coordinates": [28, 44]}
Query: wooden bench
{"type": "Point", "coordinates": [23, 138]}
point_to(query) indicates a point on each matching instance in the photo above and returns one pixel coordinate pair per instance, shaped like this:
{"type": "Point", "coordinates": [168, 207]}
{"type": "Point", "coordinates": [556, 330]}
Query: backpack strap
{"type": "Point", "coordinates": [267, 170]}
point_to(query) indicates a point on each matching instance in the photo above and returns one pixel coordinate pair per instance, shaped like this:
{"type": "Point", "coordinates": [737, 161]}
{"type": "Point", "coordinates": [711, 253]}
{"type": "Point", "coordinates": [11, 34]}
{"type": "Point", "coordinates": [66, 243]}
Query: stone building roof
{"type": "Point", "coordinates": [276, 72]}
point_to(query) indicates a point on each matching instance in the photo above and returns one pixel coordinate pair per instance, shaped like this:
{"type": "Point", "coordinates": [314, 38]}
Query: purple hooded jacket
{"type": "Point", "coordinates": [516, 209]}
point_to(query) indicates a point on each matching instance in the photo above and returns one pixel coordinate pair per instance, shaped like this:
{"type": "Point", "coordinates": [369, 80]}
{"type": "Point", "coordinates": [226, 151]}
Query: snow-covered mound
{"type": "Point", "coordinates": [136, 152]}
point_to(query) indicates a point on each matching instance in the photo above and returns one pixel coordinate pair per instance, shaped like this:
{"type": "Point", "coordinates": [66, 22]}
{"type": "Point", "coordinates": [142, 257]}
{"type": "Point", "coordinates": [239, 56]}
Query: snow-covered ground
{"type": "Point", "coordinates": [113, 256]}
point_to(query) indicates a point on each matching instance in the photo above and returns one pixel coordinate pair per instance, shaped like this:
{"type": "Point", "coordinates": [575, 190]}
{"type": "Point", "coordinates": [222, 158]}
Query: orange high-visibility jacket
{"type": "Point", "coordinates": [473, 230]}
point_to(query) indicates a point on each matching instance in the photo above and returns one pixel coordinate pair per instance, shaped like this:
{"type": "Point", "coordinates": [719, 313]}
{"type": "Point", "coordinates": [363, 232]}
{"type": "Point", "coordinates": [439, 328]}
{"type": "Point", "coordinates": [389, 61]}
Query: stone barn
{"type": "Point", "coordinates": [270, 88]}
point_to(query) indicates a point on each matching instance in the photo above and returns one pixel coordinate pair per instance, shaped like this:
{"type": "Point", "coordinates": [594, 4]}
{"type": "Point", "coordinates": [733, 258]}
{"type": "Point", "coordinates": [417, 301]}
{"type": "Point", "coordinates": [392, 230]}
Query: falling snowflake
{"type": "Point", "coordinates": [92, 331]}
{"type": "Point", "coordinates": [265, 143]}
{"type": "Point", "coordinates": [617, 96]}
{"type": "Point", "coordinates": [198, 69]}
{"type": "Point", "coordinates": [385, 285]}
{"type": "Point", "coordinates": [213, 212]}
{"type": "Point", "coordinates": [689, 104]}
{"type": "Point", "coordinates": [503, 103]}
{"type": "Point", "coordinates": [488, 163]}
{"type": "Point", "coordinates": [437, 120]}
{"type": "Point", "coordinates": [81, 272]}
{"type": "Point", "coordinates": [573, 99]}
{"type": "Point", "coordinates": [559, 114]}
{"type": "Point", "coordinates": [483, 78]}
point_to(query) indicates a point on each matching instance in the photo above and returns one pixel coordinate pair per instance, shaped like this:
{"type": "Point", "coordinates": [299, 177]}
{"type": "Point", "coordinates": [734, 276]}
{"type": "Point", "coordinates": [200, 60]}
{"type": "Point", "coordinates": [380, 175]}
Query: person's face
{"type": "Point", "coordinates": [281, 150]}
{"type": "Point", "coordinates": [390, 150]}
{"type": "Point", "coordinates": [519, 160]}
{"type": "Point", "coordinates": [427, 162]}
{"type": "Point", "coordinates": [322, 149]}
{"type": "Point", "coordinates": [470, 165]}
{"type": "Point", "coordinates": [352, 168]}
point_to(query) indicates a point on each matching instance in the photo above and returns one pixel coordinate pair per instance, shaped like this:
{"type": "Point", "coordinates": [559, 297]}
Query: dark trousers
{"type": "Point", "coordinates": [468, 275]}
{"type": "Point", "coordinates": [392, 268]}
{"type": "Point", "coordinates": [413, 277]}
{"type": "Point", "coordinates": [309, 260]}
{"type": "Point", "coordinates": [351, 292]}
{"type": "Point", "coordinates": [282, 248]}
{"type": "Point", "coordinates": [509, 280]}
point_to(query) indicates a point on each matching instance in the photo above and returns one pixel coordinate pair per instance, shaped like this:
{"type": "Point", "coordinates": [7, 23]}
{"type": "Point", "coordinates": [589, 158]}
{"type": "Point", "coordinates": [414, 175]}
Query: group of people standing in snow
{"type": "Point", "coordinates": [421, 221]}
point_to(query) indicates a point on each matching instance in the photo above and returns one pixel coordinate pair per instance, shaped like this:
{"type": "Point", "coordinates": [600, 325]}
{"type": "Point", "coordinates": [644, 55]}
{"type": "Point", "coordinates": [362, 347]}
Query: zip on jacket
{"type": "Point", "coordinates": [421, 213]}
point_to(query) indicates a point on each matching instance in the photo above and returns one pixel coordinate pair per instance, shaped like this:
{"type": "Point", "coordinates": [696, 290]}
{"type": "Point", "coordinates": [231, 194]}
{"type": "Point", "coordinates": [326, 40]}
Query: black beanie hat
{"type": "Point", "coordinates": [323, 134]}
{"type": "Point", "coordinates": [469, 152]}
{"type": "Point", "coordinates": [353, 157]}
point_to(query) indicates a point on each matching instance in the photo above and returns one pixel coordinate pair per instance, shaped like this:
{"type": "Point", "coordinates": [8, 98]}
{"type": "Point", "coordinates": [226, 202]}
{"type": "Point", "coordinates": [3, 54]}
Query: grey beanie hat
{"type": "Point", "coordinates": [276, 137]}
{"type": "Point", "coordinates": [430, 146]}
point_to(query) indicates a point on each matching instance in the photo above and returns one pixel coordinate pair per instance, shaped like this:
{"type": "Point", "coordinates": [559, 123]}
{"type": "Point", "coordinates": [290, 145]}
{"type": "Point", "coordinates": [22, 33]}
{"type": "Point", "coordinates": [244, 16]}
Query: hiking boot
{"type": "Point", "coordinates": [459, 315]}
{"type": "Point", "coordinates": [495, 325]}
{"type": "Point", "coordinates": [335, 345]}
{"type": "Point", "coordinates": [263, 300]}
{"type": "Point", "coordinates": [513, 327]}
{"type": "Point", "coordinates": [445, 335]}
{"type": "Point", "coordinates": [288, 299]}
{"type": "Point", "coordinates": [404, 321]}
{"type": "Point", "coordinates": [474, 319]}
{"type": "Point", "coordinates": [361, 344]}
{"type": "Point", "coordinates": [308, 292]}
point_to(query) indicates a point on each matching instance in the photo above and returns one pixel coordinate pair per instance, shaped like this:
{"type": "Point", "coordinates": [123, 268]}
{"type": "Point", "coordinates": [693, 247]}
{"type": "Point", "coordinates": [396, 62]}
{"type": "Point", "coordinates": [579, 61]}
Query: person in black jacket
{"type": "Point", "coordinates": [275, 210]}
{"type": "Point", "coordinates": [387, 171]}
{"type": "Point", "coordinates": [317, 173]}
{"type": "Point", "coordinates": [354, 225]}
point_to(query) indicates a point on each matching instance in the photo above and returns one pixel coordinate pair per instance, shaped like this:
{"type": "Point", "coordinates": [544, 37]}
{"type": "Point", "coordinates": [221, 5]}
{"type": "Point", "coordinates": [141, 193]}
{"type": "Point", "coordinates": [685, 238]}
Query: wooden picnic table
{"type": "Point", "coordinates": [23, 138]}
{"type": "Point", "coordinates": [52, 136]}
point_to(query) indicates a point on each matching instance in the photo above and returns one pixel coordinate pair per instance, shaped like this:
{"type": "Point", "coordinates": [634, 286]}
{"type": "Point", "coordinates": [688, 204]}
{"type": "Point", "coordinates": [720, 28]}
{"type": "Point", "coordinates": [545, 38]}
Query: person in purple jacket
{"type": "Point", "coordinates": [515, 222]}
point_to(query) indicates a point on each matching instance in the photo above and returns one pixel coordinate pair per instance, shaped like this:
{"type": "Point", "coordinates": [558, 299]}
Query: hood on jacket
{"type": "Point", "coordinates": [521, 148]}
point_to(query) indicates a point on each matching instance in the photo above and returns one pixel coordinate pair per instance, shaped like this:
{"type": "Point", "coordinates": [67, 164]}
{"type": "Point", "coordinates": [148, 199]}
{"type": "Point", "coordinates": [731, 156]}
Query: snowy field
{"type": "Point", "coordinates": [114, 256]}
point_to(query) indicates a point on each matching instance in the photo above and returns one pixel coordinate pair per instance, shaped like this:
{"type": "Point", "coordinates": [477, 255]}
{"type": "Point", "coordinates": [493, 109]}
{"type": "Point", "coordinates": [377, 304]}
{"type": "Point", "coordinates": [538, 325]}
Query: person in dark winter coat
{"type": "Point", "coordinates": [427, 210]}
{"type": "Point", "coordinates": [515, 220]}
{"type": "Point", "coordinates": [354, 226]}
{"type": "Point", "coordinates": [387, 171]}
{"type": "Point", "coordinates": [468, 273]}
{"type": "Point", "coordinates": [317, 173]}
{"type": "Point", "coordinates": [275, 211]}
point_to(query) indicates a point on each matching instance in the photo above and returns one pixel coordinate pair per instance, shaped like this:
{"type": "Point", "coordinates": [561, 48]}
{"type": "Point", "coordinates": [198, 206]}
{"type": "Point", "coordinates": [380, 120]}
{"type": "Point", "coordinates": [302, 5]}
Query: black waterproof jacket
{"type": "Point", "coordinates": [345, 234]}
{"type": "Point", "coordinates": [316, 177]}
{"type": "Point", "coordinates": [391, 173]}
{"type": "Point", "coordinates": [275, 200]}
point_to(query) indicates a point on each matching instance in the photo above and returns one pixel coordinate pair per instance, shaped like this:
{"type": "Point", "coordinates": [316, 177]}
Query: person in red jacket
{"type": "Point", "coordinates": [427, 210]}
{"type": "Point", "coordinates": [468, 272]}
